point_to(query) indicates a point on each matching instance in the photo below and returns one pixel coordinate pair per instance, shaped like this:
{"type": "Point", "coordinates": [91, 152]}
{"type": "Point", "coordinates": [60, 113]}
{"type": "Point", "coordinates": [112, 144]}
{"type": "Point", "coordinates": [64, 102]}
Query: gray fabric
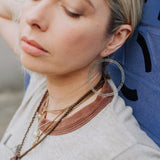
{"type": "Point", "coordinates": [112, 134]}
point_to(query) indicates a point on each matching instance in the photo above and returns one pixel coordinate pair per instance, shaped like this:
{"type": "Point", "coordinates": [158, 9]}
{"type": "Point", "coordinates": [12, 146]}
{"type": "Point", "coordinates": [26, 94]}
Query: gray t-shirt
{"type": "Point", "coordinates": [113, 134]}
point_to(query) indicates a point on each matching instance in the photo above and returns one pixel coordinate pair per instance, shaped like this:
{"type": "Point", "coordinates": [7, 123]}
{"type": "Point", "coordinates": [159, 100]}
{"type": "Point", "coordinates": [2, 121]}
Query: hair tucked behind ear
{"type": "Point", "coordinates": [124, 12]}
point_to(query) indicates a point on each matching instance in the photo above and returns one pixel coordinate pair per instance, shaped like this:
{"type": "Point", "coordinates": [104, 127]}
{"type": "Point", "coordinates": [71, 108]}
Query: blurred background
{"type": "Point", "coordinates": [11, 85]}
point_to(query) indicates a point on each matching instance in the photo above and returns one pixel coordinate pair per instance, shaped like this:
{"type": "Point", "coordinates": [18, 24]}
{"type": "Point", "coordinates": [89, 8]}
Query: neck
{"type": "Point", "coordinates": [64, 90]}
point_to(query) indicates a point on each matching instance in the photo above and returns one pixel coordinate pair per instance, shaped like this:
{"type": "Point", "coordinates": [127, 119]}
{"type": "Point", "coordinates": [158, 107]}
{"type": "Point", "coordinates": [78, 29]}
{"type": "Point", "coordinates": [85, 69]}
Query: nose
{"type": "Point", "coordinates": [37, 18]}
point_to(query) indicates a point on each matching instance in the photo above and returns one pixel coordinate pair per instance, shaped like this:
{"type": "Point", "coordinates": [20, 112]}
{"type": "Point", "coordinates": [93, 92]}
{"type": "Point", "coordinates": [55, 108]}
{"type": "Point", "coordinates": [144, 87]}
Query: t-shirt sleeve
{"type": "Point", "coordinates": [139, 152]}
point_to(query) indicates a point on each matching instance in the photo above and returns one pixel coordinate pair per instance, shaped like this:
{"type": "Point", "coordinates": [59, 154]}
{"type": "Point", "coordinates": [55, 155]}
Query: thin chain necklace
{"type": "Point", "coordinates": [51, 127]}
{"type": "Point", "coordinates": [38, 133]}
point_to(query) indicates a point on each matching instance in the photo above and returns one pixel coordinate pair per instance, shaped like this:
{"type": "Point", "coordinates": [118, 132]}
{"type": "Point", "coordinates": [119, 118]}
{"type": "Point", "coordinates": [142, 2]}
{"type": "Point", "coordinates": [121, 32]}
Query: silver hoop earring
{"type": "Point", "coordinates": [122, 77]}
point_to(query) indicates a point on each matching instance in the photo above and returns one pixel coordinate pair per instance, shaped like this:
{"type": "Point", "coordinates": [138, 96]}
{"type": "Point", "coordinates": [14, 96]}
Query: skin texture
{"type": "Point", "coordinates": [72, 43]}
{"type": "Point", "coordinates": [73, 32]}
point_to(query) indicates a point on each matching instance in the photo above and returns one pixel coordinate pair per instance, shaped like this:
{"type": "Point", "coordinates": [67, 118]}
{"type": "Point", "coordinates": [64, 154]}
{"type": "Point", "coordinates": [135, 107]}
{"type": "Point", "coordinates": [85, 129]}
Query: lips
{"type": "Point", "coordinates": [31, 47]}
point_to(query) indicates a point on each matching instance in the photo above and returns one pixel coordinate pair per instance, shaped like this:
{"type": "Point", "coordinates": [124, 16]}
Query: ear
{"type": "Point", "coordinates": [116, 40]}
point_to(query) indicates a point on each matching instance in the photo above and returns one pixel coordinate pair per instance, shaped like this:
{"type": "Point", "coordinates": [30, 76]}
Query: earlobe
{"type": "Point", "coordinates": [105, 53]}
{"type": "Point", "coordinates": [117, 40]}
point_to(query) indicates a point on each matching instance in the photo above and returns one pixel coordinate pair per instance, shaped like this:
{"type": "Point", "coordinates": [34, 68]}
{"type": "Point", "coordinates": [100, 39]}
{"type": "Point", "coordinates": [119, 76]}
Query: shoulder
{"type": "Point", "coordinates": [139, 145]}
{"type": "Point", "coordinates": [124, 134]}
{"type": "Point", "coordinates": [139, 152]}
{"type": "Point", "coordinates": [124, 116]}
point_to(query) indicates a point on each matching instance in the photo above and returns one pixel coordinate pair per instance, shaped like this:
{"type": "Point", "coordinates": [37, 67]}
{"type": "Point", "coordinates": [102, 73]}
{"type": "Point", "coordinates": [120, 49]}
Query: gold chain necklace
{"type": "Point", "coordinates": [51, 127]}
{"type": "Point", "coordinates": [38, 134]}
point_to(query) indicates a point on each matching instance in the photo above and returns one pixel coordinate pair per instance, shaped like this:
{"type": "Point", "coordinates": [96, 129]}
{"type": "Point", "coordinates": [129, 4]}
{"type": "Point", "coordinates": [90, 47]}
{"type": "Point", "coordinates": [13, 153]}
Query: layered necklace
{"type": "Point", "coordinates": [40, 136]}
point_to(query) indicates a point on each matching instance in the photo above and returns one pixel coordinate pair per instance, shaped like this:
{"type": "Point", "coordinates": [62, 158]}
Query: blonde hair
{"type": "Point", "coordinates": [124, 12]}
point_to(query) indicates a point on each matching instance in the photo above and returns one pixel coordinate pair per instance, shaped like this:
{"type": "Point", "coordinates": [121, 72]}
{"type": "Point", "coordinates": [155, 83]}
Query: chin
{"type": "Point", "coordinates": [38, 65]}
{"type": "Point", "coordinates": [32, 63]}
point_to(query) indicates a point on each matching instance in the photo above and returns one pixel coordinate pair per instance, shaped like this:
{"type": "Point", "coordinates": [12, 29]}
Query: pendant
{"type": "Point", "coordinates": [34, 143]}
{"type": "Point", "coordinates": [39, 116]}
{"type": "Point", "coordinates": [36, 134]}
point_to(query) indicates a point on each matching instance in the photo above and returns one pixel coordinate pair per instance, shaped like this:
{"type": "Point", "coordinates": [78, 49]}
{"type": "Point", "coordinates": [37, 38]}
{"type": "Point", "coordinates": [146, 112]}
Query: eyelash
{"type": "Point", "coordinates": [72, 14]}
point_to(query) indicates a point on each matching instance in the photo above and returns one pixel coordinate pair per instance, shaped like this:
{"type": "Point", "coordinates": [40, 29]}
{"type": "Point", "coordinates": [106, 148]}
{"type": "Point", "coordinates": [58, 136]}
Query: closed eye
{"type": "Point", "coordinates": [72, 14]}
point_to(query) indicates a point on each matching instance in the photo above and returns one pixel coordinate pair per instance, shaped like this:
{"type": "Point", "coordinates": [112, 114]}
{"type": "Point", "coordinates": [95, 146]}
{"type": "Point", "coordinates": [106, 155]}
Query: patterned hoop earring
{"type": "Point", "coordinates": [122, 77]}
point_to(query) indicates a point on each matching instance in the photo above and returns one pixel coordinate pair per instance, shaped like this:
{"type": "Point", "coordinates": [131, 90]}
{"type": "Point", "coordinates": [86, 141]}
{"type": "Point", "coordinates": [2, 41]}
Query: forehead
{"type": "Point", "coordinates": [100, 5]}
{"type": "Point", "coordinates": [94, 3]}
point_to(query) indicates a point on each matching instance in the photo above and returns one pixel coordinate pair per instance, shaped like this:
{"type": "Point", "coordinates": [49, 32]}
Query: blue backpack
{"type": "Point", "coordinates": [140, 59]}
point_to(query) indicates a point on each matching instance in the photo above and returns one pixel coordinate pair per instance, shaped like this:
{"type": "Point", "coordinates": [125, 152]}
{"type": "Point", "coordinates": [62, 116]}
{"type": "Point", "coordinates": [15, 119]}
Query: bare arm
{"type": "Point", "coordinates": [9, 12]}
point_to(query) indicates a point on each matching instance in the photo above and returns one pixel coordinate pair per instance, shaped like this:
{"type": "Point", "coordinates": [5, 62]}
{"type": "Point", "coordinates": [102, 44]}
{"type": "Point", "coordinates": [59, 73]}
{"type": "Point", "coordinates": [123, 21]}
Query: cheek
{"type": "Point", "coordinates": [79, 40]}
{"type": "Point", "coordinates": [75, 46]}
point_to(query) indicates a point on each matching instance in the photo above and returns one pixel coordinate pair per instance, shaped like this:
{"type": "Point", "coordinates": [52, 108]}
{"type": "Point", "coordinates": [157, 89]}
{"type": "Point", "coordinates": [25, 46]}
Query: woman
{"type": "Point", "coordinates": [60, 117]}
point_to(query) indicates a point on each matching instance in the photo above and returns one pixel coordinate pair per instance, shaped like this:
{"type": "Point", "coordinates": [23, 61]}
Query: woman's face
{"type": "Point", "coordinates": [62, 36]}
